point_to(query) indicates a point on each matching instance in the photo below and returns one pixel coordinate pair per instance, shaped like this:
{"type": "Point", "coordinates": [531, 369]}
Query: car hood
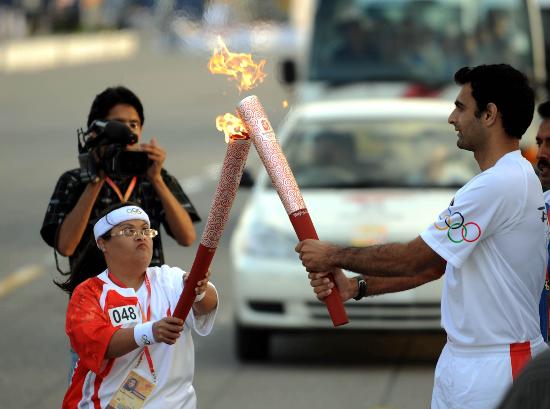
{"type": "Point", "coordinates": [352, 217]}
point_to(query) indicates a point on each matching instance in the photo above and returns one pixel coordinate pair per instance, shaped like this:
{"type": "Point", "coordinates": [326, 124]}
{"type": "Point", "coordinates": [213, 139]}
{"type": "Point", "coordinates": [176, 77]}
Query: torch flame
{"type": "Point", "coordinates": [232, 127]}
{"type": "Point", "coordinates": [238, 66]}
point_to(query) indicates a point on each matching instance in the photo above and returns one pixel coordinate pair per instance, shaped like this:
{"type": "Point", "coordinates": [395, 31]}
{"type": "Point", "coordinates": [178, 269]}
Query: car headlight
{"type": "Point", "coordinates": [266, 241]}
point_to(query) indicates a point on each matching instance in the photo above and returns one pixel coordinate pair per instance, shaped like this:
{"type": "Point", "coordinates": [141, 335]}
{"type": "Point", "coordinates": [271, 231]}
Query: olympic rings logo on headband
{"type": "Point", "coordinates": [134, 210]}
{"type": "Point", "coordinates": [457, 230]}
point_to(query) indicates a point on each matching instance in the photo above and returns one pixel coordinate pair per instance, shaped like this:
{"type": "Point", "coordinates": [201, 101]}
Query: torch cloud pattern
{"type": "Point", "coordinates": [232, 170]}
{"type": "Point", "coordinates": [255, 120]}
{"type": "Point", "coordinates": [253, 115]}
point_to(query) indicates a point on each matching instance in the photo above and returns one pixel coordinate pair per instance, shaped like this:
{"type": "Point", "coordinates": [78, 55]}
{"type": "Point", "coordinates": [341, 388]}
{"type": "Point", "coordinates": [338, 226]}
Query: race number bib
{"type": "Point", "coordinates": [127, 314]}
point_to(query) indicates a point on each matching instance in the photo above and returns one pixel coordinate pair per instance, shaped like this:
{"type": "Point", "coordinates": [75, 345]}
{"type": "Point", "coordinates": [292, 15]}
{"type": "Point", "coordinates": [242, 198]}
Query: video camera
{"type": "Point", "coordinates": [102, 147]}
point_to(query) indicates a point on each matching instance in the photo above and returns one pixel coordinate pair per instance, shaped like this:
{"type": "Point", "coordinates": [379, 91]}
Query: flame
{"type": "Point", "coordinates": [238, 66]}
{"type": "Point", "coordinates": [285, 103]}
{"type": "Point", "coordinates": [232, 127]}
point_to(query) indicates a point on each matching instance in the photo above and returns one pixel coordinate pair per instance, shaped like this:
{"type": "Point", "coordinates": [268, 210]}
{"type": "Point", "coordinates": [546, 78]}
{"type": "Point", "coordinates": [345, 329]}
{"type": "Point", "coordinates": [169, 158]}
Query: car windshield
{"type": "Point", "coordinates": [397, 153]}
{"type": "Point", "coordinates": [422, 41]}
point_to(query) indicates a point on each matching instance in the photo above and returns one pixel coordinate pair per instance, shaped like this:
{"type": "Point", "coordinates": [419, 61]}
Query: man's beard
{"type": "Point", "coordinates": [543, 165]}
{"type": "Point", "coordinates": [462, 145]}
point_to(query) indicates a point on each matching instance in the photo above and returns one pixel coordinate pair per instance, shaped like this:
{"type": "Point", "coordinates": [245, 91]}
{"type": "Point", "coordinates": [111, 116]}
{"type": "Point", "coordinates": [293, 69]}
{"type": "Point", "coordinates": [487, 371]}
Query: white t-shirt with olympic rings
{"type": "Point", "coordinates": [493, 236]}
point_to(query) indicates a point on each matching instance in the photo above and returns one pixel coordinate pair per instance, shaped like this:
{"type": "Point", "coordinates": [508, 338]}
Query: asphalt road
{"type": "Point", "coordinates": [39, 114]}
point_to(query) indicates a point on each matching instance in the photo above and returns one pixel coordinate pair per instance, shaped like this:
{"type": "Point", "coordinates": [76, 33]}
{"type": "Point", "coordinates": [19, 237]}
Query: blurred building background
{"type": "Point", "coordinates": [38, 34]}
{"type": "Point", "coordinates": [24, 18]}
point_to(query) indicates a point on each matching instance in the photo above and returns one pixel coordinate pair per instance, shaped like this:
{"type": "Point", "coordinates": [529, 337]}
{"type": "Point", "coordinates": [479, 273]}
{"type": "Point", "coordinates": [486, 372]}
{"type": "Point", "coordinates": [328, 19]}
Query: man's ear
{"type": "Point", "coordinates": [490, 115]}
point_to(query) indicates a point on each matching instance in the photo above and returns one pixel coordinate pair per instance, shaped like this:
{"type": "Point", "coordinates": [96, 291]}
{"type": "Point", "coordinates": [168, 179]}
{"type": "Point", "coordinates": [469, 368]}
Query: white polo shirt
{"type": "Point", "coordinates": [494, 239]}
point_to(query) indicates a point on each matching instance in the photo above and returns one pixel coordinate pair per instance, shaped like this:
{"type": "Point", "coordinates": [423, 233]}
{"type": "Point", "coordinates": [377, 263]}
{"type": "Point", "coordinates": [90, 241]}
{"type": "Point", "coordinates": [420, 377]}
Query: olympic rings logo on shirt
{"type": "Point", "coordinates": [134, 210]}
{"type": "Point", "coordinates": [458, 230]}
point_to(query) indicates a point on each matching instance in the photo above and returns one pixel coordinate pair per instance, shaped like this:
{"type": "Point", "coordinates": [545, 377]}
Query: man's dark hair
{"type": "Point", "coordinates": [80, 273]}
{"type": "Point", "coordinates": [112, 96]}
{"type": "Point", "coordinates": [505, 87]}
{"type": "Point", "coordinates": [544, 110]}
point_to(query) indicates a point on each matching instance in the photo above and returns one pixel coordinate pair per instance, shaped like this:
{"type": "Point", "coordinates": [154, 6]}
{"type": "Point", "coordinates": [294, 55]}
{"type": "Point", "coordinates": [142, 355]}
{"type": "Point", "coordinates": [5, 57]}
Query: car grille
{"type": "Point", "coordinates": [269, 307]}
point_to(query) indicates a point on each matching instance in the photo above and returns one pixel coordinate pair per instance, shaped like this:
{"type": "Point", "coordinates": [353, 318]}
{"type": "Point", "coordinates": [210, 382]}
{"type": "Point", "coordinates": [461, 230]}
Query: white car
{"type": "Point", "coordinates": [370, 172]}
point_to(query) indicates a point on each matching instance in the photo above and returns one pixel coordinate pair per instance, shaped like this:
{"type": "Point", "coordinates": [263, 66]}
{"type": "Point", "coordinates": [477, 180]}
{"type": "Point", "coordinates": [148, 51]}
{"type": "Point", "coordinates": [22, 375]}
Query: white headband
{"type": "Point", "coordinates": [118, 216]}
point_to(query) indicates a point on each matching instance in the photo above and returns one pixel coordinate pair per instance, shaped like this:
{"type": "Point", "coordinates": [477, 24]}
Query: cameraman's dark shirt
{"type": "Point", "coordinates": [87, 258]}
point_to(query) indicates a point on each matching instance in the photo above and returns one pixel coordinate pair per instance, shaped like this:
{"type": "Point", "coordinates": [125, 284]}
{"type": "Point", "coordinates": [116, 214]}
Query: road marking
{"type": "Point", "coordinates": [20, 278]}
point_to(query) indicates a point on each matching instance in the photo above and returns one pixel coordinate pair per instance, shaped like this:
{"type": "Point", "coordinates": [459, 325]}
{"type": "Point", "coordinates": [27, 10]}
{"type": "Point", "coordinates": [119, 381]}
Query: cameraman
{"type": "Point", "coordinates": [76, 203]}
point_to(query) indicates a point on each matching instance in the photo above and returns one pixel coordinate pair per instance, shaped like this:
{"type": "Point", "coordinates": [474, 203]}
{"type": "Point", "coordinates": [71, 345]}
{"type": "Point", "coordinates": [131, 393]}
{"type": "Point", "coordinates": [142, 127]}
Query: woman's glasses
{"type": "Point", "coordinates": [134, 233]}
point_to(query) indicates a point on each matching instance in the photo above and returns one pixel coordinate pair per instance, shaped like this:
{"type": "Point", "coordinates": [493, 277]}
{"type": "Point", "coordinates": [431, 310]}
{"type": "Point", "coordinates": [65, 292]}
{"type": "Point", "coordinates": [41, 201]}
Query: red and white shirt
{"type": "Point", "coordinates": [98, 308]}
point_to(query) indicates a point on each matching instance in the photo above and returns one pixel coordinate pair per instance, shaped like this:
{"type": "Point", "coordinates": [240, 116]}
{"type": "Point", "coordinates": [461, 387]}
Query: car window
{"type": "Point", "coordinates": [416, 40]}
{"type": "Point", "coordinates": [410, 154]}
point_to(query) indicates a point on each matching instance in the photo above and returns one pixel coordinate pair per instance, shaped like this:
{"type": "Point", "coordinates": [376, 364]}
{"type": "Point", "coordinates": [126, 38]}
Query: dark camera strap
{"type": "Point", "coordinates": [131, 186]}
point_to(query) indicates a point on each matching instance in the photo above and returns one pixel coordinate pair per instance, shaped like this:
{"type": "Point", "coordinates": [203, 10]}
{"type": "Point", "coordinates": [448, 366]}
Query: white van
{"type": "Point", "coordinates": [413, 47]}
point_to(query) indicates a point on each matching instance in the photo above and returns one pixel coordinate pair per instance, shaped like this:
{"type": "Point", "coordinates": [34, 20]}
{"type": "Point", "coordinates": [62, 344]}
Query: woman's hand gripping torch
{"type": "Point", "coordinates": [255, 120]}
{"type": "Point", "coordinates": [232, 170]}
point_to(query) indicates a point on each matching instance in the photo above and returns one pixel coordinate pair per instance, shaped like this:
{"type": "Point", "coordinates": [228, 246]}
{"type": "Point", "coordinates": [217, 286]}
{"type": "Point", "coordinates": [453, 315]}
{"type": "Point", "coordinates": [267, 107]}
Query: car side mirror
{"type": "Point", "coordinates": [288, 71]}
{"type": "Point", "coordinates": [247, 181]}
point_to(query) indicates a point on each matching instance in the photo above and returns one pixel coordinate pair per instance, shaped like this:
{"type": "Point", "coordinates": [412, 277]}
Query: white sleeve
{"type": "Point", "coordinates": [484, 206]}
{"type": "Point", "coordinates": [202, 324]}
{"type": "Point", "coordinates": [171, 279]}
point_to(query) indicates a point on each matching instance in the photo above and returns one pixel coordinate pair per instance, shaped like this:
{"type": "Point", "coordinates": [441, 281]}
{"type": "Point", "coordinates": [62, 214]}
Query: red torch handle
{"type": "Point", "coordinates": [303, 226]}
{"type": "Point", "coordinates": [202, 261]}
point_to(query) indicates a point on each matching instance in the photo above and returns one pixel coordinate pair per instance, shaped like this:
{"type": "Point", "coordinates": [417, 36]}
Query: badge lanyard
{"type": "Point", "coordinates": [144, 319]}
{"type": "Point", "coordinates": [131, 186]}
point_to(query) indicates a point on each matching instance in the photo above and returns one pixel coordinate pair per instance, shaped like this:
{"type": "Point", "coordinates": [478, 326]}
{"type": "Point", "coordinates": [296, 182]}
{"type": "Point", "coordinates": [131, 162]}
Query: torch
{"type": "Point", "coordinates": [232, 170]}
{"type": "Point", "coordinates": [255, 120]}
{"type": "Point", "coordinates": [248, 74]}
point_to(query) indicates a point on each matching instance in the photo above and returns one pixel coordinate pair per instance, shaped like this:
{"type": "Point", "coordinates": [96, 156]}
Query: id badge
{"type": "Point", "coordinates": [132, 393]}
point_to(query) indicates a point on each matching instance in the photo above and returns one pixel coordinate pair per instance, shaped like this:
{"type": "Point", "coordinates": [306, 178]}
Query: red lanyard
{"type": "Point", "coordinates": [144, 319]}
{"type": "Point", "coordinates": [147, 317]}
{"type": "Point", "coordinates": [131, 186]}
